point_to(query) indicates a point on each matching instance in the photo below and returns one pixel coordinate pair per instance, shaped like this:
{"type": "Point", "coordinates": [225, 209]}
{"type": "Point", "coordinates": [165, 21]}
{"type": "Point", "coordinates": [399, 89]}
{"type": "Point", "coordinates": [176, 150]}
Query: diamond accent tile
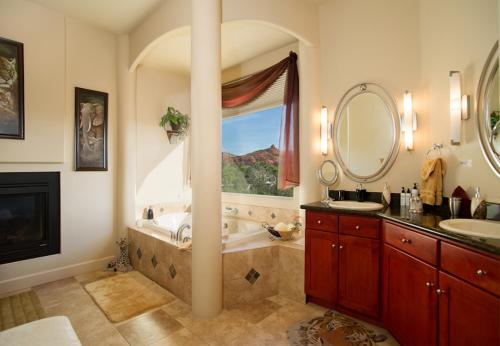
{"type": "Point", "coordinates": [252, 276]}
{"type": "Point", "coordinates": [139, 253]}
{"type": "Point", "coordinates": [154, 261]}
{"type": "Point", "coordinates": [172, 271]}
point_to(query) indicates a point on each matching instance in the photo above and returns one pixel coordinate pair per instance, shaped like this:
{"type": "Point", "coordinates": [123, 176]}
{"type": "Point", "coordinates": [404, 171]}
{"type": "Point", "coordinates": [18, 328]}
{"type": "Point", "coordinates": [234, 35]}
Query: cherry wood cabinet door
{"type": "Point", "coordinates": [321, 265]}
{"type": "Point", "coordinates": [359, 263]}
{"type": "Point", "coordinates": [467, 315]}
{"type": "Point", "coordinates": [410, 299]}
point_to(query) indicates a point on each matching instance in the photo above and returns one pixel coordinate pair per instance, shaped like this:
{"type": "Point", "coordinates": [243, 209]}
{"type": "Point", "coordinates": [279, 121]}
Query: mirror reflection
{"type": "Point", "coordinates": [328, 172]}
{"type": "Point", "coordinates": [493, 114]}
{"type": "Point", "coordinates": [366, 132]}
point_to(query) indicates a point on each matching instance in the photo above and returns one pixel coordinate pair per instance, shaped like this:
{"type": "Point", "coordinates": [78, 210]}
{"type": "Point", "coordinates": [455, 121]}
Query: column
{"type": "Point", "coordinates": [206, 157]}
{"type": "Point", "coordinates": [125, 194]}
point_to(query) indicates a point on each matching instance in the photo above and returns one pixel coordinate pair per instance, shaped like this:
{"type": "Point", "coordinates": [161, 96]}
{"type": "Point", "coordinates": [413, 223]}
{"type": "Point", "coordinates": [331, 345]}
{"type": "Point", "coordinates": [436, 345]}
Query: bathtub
{"type": "Point", "coordinates": [234, 231]}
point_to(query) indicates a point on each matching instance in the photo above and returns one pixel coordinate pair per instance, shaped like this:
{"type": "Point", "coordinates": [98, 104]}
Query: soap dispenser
{"type": "Point", "coordinates": [150, 213]}
{"type": "Point", "coordinates": [360, 193]}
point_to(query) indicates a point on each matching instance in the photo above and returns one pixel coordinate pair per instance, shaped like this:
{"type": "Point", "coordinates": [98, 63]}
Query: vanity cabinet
{"type": "Point", "coordinates": [342, 262]}
{"type": "Point", "coordinates": [467, 315]}
{"type": "Point", "coordinates": [358, 286]}
{"type": "Point", "coordinates": [321, 262]}
{"type": "Point", "coordinates": [449, 300]}
{"type": "Point", "coordinates": [410, 301]}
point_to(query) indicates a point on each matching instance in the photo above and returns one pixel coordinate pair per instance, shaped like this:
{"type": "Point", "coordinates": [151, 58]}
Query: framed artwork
{"type": "Point", "coordinates": [11, 89]}
{"type": "Point", "coordinates": [91, 130]}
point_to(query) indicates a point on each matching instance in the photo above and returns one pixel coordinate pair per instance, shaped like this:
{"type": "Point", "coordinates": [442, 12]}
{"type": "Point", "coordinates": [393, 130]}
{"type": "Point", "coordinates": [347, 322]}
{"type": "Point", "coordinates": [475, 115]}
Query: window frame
{"type": "Point", "coordinates": [256, 199]}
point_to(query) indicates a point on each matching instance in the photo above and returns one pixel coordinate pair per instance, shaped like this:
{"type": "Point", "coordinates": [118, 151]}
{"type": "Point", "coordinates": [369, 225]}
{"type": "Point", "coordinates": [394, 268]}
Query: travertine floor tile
{"type": "Point", "coordinates": [149, 328]}
{"type": "Point", "coordinates": [182, 337]}
{"type": "Point", "coordinates": [67, 297]}
{"type": "Point", "coordinates": [256, 312]}
{"type": "Point", "coordinates": [86, 278]}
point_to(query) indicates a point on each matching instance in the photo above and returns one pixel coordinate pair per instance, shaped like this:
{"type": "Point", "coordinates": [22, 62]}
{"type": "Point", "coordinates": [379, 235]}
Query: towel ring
{"type": "Point", "coordinates": [435, 147]}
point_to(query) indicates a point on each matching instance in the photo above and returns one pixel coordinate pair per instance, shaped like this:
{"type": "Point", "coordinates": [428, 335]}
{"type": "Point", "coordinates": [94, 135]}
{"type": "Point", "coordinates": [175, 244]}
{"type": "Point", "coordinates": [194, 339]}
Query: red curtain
{"type": "Point", "coordinates": [246, 89]}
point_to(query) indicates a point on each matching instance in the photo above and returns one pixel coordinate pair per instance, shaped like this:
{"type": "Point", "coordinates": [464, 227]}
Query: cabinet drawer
{"type": "Point", "coordinates": [321, 221]}
{"type": "Point", "coordinates": [411, 242]}
{"type": "Point", "coordinates": [359, 226]}
{"type": "Point", "coordinates": [473, 267]}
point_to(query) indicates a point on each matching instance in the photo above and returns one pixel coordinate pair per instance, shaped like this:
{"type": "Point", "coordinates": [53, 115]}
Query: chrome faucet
{"type": "Point", "coordinates": [230, 211]}
{"type": "Point", "coordinates": [180, 231]}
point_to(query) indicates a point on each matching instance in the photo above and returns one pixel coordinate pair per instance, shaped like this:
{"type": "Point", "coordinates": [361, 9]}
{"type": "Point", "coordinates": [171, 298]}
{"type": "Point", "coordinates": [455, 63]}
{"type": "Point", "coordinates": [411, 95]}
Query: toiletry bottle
{"type": "Point", "coordinates": [360, 193]}
{"type": "Point", "coordinates": [402, 197]}
{"type": "Point", "coordinates": [150, 213]}
{"type": "Point", "coordinates": [386, 195]}
{"type": "Point", "coordinates": [476, 200]}
{"type": "Point", "coordinates": [407, 196]}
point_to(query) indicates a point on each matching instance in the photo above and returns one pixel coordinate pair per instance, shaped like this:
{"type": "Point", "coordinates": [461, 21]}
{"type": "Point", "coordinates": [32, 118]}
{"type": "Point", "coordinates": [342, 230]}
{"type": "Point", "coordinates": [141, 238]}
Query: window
{"type": "Point", "coordinates": [250, 153]}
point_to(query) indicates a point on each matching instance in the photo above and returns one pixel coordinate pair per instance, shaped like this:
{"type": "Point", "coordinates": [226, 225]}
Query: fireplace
{"type": "Point", "coordinates": [29, 215]}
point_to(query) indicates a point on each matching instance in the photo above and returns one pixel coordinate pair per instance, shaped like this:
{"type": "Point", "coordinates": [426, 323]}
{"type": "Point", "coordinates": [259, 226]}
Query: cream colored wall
{"type": "Point", "coordinates": [372, 41]}
{"type": "Point", "coordinates": [412, 45]}
{"type": "Point", "coordinates": [161, 166]}
{"type": "Point", "coordinates": [87, 198]}
{"type": "Point", "coordinates": [258, 63]}
{"type": "Point", "coordinates": [42, 33]}
{"type": "Point", "coordinates": [456, 35]}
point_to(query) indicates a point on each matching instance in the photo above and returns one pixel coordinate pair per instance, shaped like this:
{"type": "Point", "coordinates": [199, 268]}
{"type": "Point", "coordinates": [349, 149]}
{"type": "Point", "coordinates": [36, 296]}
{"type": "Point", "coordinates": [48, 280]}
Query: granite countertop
{"type": "Point", "coordinates": [427, 222]}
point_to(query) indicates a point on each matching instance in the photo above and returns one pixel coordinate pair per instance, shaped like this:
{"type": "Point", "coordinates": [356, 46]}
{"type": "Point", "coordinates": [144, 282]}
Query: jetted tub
{"type": "Point", "coordinates": [234, 231]}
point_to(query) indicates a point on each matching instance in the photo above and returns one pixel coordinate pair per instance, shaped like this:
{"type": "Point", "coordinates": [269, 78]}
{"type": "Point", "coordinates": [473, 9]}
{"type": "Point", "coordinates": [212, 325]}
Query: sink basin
{"type": "Point", "coordinates": [473, 227]}
{"type": "Point", "coordinates": [353, 205]}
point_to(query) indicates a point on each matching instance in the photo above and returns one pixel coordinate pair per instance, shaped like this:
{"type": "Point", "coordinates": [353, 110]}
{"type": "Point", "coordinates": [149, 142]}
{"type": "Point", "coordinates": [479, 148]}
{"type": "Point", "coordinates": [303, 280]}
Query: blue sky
{"type": "Point", "coordinates": [244, 134]}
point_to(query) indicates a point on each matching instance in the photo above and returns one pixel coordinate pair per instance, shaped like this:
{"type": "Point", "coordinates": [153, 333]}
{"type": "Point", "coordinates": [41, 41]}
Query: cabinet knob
{"type": "Point", "coordinates": [406, 241]}
{"type": "Point", "coordinates": [481, 272]}
{"type": "Point", "coordinates": [333, 246]}
{"type": "Point", "coordinates": [357, 227]}
{"type": "Point", "coordinates": [341, 247]}
{"type": "Point", "coordinates": [319, 222]}
{"type": "Point", "coordinates": [439, 291]}
{"type": "Point", "coordinates": [429, 284]}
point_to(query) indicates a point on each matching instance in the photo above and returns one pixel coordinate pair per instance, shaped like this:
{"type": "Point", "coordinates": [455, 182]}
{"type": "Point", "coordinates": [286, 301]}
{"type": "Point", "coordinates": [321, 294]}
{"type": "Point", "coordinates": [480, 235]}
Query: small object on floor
{"type": "Point", "coordinates": [332, 329]}
{"type": "Point", "coordinates": [20, 308]}
{"type": "Point", "coordinates": [122, 263]}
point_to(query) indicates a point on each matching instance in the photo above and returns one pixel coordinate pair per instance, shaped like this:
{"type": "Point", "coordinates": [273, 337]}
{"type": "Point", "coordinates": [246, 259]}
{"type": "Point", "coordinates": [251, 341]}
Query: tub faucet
{"type": "Point", "coordinates": [231, 211]}
{"type": "Point", "coordinates": [180, 232]}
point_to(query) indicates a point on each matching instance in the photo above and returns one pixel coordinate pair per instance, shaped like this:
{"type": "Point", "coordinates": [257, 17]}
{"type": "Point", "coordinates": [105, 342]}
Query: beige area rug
{"type": "Point", "coordinates": [19, 308]}
{"type": "Point", "coordinates": [333, 329]}
{"type": "Point", "coordinates": [123, 296]}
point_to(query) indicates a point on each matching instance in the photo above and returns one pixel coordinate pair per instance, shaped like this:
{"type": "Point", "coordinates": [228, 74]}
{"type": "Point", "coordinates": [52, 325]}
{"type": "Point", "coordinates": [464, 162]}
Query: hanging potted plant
{"type": "Point", "coordinates": [175, 123]}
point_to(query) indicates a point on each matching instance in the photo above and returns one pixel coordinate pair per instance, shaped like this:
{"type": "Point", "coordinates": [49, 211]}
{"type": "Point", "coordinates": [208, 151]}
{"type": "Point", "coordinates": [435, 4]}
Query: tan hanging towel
{"type": "Point", "coordinates": [432, 173]}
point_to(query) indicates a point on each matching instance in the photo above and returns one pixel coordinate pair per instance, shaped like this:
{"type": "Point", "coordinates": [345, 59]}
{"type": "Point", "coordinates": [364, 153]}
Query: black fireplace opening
{"type": "Point", "coordinates": [29, 215]}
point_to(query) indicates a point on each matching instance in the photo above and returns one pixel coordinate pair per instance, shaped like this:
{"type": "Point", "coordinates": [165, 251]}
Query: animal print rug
{"type": "Point", "coordinates": [333, 329]}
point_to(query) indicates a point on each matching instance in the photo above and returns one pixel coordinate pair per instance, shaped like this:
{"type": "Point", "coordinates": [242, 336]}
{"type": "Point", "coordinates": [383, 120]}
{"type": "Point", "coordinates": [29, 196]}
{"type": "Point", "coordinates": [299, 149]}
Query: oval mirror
{"type": "Point", "coordinates": [366, 132]}
{"type": "Point", "coordinates": [328, 173]}
{"type": "Point", "coordinates": [488, 111]}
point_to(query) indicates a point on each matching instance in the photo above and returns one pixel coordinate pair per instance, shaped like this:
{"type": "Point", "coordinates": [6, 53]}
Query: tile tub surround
{"type": "Point", "coordinates": [153, 254]}
{"type": "Point", "coordinates": [261, 214]}
{"type": "Point", "coordinates": [251, 272]}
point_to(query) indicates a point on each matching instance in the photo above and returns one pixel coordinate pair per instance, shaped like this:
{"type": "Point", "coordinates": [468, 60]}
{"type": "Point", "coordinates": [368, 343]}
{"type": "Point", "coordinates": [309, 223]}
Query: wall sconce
{"type": "Point", "coordinates": [408, 121]}
{"type": "Point", "coordinates": [324, 130]}
{"type": "Point", "coordinates": [459, 107]}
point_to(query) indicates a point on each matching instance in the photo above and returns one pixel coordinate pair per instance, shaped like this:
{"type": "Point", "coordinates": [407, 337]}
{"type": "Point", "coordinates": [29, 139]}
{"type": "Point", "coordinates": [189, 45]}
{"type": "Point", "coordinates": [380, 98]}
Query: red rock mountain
{"type": "Point", "coordinates": [269, 155]}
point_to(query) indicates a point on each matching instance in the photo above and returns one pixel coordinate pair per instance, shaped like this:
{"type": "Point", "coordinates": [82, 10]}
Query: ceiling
{"type": "Point", "coordinates": [241, 41]}
{"type": "Point", "coordinates": [118, 16]}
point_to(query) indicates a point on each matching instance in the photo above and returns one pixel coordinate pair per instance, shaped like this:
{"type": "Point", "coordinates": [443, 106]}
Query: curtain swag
{"type": "Point", "coordinates": [244, 90]}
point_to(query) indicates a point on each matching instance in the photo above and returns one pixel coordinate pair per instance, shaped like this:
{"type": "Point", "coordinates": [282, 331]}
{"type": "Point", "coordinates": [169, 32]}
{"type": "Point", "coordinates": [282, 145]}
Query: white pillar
{"type": "Point", "coordinates": [125, 195]}
{"type": "Point", "coordinates": [309, 122]}
{"type": "Point", "coordinates": [206, 157]}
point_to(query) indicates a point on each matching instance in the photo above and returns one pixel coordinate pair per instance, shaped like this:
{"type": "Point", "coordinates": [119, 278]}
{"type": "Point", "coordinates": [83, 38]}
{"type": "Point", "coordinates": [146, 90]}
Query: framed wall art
{"type": "Point", "coordinates": [91, 130]}
{"type": "Point", "coordinates": [11, 89]}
